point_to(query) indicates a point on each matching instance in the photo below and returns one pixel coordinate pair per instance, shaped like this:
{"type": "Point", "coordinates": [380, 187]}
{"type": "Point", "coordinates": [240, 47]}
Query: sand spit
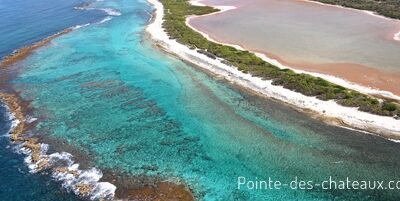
{"type": "Point", "coordinates": [329, 111]}
{"type": "Point", "coordinates": [272, 59]}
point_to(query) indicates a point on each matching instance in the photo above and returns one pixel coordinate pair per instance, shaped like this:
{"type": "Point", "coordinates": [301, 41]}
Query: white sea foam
{"type": "Point", "coordinates": [71, 176]}
{"type": "Point", "coordinates": [30, 119]}
{"type": "Point", "coordinates": [74, 175]}
{"type": "Point", "coordinates": [106, 19]}
{"type": "Point", "coordinates": [396, 141]}
{"type": "Point", "coordinates": [109, 11]}
{"type": "Point", "coordinates": [80, 26]}
{"type": "Point", "coordinates": [90, 177]}
{"type": "Point", "coordinates": [328, 109]}
{"type": "Point", "coordinates": [12, 120]}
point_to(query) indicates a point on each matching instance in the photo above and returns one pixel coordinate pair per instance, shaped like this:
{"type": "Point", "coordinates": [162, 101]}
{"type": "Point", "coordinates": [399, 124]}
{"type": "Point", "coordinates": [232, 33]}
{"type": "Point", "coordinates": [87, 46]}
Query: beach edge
{"type": "Point", "coordinates": [329, 111]}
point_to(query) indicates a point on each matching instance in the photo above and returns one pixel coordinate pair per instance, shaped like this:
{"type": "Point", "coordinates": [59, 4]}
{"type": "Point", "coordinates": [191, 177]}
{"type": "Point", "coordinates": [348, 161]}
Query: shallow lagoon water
{"type": "Point", "coordinates": [105, 90]}
{"type": "Point", "coordinates": [23, 23]}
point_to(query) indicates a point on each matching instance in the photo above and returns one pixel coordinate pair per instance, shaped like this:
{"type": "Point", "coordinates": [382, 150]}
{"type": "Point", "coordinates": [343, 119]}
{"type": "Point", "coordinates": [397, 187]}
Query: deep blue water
{"type": "Point", "coordinates": [105, 90]}
{"type": "Point", "coordinates": [16, 183]}
{"type": "Point", "coordinates": [24, 22]}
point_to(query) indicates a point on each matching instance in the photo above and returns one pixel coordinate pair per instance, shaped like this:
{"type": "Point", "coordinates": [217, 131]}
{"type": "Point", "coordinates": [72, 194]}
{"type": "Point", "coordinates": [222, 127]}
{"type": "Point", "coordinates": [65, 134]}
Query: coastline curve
{"type": "Point", "coordinates": [329, 111]}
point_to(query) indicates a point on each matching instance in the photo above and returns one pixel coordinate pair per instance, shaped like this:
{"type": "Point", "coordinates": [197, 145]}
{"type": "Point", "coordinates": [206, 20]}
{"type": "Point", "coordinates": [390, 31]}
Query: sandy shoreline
{"type": "Point", "coordinates": [327, 110]}
{"type": "Point", "coordinates": [396, 36]}
{"type": "Point", "coordinates": [368, 80]}
{"type": "Point", "coordinates": [356, 74]}
{"type": "Point", "coordinates": [358, 10]}
{"type": "Point", "coordinates": [85, 182]}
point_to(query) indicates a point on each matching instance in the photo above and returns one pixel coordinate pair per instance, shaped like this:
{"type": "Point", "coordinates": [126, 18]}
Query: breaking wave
{"type": "Point", "coordinates": [108, 11]}
{"type": "Point", "coordinates": [83, 182]}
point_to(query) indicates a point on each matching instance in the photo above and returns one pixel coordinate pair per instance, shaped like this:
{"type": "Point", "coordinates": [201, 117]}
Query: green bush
{"type": "Point", "coordinates": [389, 106]}
{"type": "Point", "coordinates": [388, 8]}
{"type": "Point", "coordinates": [176, 12]}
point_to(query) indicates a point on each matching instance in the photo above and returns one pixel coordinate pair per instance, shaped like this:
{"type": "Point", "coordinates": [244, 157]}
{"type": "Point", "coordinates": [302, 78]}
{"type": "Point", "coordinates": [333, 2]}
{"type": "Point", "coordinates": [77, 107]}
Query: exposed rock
{"type": "Point", "coordinates": [22, 53]}
{"type": "Point", "coordinates": [84, 189]}
{"type": "Point", "coordinates": [35, 147]}
{"type": "Point", "coordinates": [14, 105]}
{"type": "Point", "coordinates": [64, 169]}
{"type": "Point", "coordinates": [43, 164]}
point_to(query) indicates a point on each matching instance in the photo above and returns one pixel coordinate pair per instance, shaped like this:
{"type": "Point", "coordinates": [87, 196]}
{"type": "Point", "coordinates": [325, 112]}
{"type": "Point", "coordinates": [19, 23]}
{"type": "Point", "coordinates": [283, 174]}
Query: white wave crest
{"type": "Point", "coordinates": [85, 183]}
{"type": "Point", "coordinates": [73, 178]}
{"type": "Point", "coordinates": [108, 18]}
{"type": "Point", "coordinates": [80, 26]}
{"type": "Point", "coordinates": [109, 11]}
{"type": "Point", "coordinates": [30, 119]}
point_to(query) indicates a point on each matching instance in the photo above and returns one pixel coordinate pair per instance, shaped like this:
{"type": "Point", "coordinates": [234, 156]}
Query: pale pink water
{"type": "Point", "coordinates": [313, 37]}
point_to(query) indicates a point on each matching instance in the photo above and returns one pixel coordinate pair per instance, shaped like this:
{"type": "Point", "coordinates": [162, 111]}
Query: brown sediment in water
{"type": "Point", "coordinates": [18, 108]}
{"type": "Point", "coordinates": [158, 191]}
{"type": "Point", "coordinates": [15, 105]}
{"type": "Point", "coordinates": [149, 190]}
{"type": "Point", "coordinates": [128, 188]}
{"type": "Point", "coordinates": [24, 52]}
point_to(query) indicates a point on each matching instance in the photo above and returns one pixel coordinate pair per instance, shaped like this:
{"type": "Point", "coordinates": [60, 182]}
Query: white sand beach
{"type": "Point", "coordinates": [327, 110]}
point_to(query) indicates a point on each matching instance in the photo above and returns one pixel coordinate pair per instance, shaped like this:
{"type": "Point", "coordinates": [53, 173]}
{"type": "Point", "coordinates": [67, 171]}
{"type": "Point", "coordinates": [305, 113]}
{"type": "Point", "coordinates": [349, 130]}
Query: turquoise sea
{"type": "Point", "coordinates": [105, 93]}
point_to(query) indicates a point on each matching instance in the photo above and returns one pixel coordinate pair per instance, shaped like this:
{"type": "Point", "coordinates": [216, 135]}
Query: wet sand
{"type": "Point", "coordinates": [376, 77]}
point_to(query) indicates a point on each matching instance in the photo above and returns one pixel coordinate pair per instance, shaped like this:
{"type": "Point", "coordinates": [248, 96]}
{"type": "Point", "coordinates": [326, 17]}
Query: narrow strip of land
{"type": "Point", "coordinates": [174, 24]}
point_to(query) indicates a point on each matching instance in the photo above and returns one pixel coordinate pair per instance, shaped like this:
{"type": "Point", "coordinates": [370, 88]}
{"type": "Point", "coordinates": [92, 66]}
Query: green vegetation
{"type": "Point", "coordinates": [176, 12]}
{"type": "Point", "coordinates": [388, 8]}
